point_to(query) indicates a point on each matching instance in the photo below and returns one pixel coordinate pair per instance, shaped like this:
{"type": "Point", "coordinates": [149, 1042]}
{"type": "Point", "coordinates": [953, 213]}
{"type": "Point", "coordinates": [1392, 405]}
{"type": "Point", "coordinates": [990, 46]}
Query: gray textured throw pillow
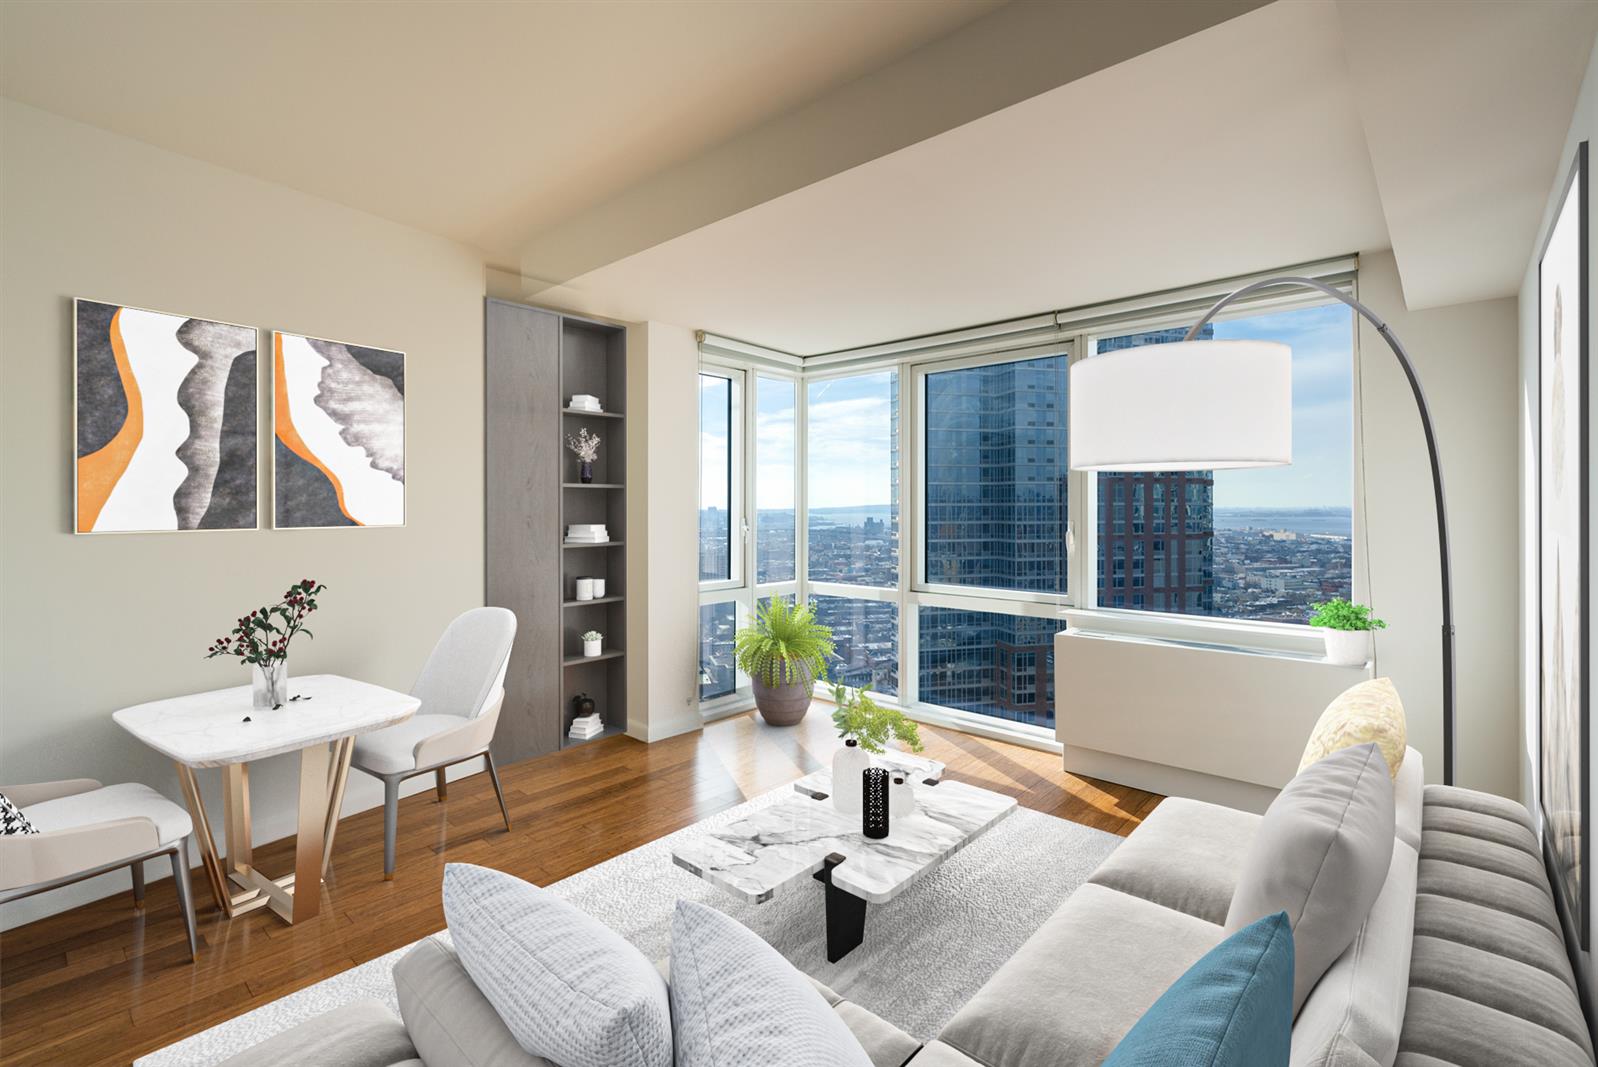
{"type": "Point", "coordinates": [567, 986]}
{"type": "Point", "coordinates": [736, 1002]}
{"type": "Point", "coordinates": [1321, 854]}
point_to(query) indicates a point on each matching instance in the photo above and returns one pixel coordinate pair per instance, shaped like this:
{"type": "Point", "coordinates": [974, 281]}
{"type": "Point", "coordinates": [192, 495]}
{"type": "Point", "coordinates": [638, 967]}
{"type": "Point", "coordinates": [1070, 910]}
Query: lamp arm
{"type": "Point", "coordinates": [1431, 452]}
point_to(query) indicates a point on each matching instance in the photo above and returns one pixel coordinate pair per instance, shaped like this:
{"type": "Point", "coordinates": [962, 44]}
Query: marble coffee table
{"type": "Point", "coordinates": [803, 838]}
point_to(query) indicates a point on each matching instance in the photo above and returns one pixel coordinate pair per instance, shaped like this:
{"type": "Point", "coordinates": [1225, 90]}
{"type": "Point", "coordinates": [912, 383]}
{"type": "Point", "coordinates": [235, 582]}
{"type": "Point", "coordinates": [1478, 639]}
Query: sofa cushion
{"type": "Point", "coordinates": [735, 1000]}
{"type": "Point", "coordinates": [127, 800]}
{"type": "Point", "coordinates": [1321, 854]}
{"type": "Point", "coordinates": [567, 986]}
{"type": "Point", "coordinates": [1408, 789]}
{"type": "Point", "coordinates": [1185, 855]}
{"type": "Point", "coordinates": [1233, 1008]}
{"type": "Point", "coordinates": [451, 1023]}
{"type": "Point", "coordinates": [359, 1034]}
{"type": "Point", "coordinates": [1077, 985]}
{"type": "Point", "coordinates": [1359, 1001]}
{"type": "Point", "coordinates": [1367, 713]}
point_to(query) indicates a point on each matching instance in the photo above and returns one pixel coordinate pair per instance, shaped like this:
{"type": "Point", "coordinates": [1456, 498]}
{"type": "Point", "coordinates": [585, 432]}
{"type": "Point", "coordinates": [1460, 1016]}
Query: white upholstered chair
{"type": "Point", "coordinates": [461, 688]}
{"type": "Point", "coordinates": [85, 829]}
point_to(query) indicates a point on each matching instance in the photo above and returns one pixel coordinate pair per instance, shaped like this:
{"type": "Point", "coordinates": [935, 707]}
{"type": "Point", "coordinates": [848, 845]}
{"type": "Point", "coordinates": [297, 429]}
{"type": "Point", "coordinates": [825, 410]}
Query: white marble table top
{"type": "Point", "coordinates": [208, 729]}
{"type": "Point", "coordinates": [784, 844]}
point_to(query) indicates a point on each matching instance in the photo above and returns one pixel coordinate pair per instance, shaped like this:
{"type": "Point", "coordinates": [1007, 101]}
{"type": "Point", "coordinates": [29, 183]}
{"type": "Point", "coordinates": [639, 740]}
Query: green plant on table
{"type": "Point", "coordinates": [784, 644]}
{"type": "Point", "coordinates": [871, 724]}
{"type": "Point", "coordinates": [1342, 615]}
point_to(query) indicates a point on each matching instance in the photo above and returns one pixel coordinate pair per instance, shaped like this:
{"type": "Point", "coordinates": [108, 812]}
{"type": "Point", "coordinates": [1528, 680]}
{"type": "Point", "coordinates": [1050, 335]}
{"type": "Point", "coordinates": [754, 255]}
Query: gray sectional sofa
{"type": "Point", "coordinates": [1460, 961]}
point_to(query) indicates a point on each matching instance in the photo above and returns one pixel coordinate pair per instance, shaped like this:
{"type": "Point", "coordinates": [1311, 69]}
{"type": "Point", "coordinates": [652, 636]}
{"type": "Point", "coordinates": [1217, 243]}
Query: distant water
{"type": "Point", "coordinates": [1300, 520]}
{"type": "Point", "coordinates": [852, 516]}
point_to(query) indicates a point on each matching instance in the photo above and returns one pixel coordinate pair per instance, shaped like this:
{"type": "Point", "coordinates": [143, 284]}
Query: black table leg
{"type": "Point", "coordinates": [846, 913]}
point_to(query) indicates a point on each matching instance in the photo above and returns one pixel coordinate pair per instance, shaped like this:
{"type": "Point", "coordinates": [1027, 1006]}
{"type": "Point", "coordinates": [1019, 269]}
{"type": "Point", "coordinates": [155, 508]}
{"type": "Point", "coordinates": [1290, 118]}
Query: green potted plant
{"type": "Point", "coordinates": [1348, 629]}
{"type": "Point", "coordinates": [866, 727]}
{"type": "Point", "coordinates": [783, 652]}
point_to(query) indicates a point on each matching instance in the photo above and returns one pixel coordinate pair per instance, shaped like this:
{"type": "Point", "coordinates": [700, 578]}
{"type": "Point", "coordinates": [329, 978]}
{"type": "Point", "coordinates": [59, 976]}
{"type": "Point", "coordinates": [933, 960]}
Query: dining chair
{"type": "Point", "coordinates": [461, 688]}
{"type": "Point", "coordinates": [78, 829]}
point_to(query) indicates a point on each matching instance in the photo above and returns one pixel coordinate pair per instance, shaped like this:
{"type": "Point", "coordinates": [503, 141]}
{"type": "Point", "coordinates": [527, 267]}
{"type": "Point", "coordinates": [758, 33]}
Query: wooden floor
{"type": "Point", "coordinates": [103, 984]}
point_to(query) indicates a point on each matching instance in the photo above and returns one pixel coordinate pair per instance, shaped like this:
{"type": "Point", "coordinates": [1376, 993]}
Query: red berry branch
{"type": "Point", "coordinates": [262, 637]}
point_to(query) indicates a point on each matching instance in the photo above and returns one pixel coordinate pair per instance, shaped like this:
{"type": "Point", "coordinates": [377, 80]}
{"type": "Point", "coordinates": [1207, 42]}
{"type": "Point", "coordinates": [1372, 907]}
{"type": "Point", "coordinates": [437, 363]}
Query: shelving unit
{"type": "Point", "coordinates": [536, 361]}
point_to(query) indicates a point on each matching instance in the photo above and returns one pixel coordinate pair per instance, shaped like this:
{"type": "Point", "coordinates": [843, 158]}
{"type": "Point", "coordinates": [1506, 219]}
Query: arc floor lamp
{"type": "Point", "coordinates": [1221, 405]}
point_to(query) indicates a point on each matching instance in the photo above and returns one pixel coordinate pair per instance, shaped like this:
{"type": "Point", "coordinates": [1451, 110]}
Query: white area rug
{"type": "Point", "coordinates": [925, 954]}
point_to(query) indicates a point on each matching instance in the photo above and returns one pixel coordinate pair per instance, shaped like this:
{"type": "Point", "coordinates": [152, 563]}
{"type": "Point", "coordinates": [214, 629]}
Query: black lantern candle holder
{"type": "Point", "coordinates": [874, 802]}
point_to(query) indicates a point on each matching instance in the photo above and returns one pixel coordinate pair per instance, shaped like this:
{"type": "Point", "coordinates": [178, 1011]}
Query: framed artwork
{"type": "Point", "coordinates": [338, 449]}
{"type": "Point", "coordinates": [1564, 789]}
{"type": "Point", "coordinates": [164, 421]}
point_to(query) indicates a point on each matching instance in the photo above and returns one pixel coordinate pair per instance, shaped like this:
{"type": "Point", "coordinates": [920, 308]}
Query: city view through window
{"type": "Point", "coordinates": [995, 484]}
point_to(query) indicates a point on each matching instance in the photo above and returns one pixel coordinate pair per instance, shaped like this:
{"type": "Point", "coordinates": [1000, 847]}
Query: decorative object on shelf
{"type": "Point", "coordinates": [263, 643]}
{"type": "Point", "coordinates": [901, 796]}
{"type": "Point", "coordinates": [593, 643]}
{"type": "Point", "coordinates": [583, 706]}
{"type": "Point", "coordinates": [584, 402]}
{"type": "Point", "coordinates": [599, 587]}
{"type": "Point", "coordinates": [784, 651]}
{"type": "Point", "coordinates": [586, 446]}
{"type": "Point", "coordinates": [586, 727]}
{"type": "Point", "coordinates": [1564, 635]}
{"type": "Point", "coordinates": [587, 533]}
{"type": "Point", "coordinates": [585, 589]}
{"type": "Point", "coordinates": [338, 412]}
{"type": "Point", "coordinates": [1348, 629]}
{"type": "Point", "coordinates": [847, 764]}
{"type": "Point", "coordinates": [164, 421]}
{"type": "Point", "coordinates": [874, 802]}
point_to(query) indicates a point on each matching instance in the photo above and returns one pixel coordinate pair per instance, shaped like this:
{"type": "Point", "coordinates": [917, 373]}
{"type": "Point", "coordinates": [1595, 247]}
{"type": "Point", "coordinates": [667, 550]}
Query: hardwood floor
{"type": "Point", "coordinates": [103, 984]}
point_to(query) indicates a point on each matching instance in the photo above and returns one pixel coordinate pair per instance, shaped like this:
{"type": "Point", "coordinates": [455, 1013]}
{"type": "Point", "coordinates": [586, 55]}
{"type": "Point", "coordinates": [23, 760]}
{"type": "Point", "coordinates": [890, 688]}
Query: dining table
{"type": "Point", "coordinates": [222, 729]}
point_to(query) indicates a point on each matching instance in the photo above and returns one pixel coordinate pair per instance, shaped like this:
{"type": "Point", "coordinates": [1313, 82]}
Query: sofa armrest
{"type": "Point", "coordinates": [33, 859]}
{"type": "Point", "coordinates": [470, 738]}
{"type": "Point", "coordinates": [38, 792]}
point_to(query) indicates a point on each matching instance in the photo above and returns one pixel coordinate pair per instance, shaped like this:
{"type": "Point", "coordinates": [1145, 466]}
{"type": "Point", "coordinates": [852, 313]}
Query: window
{"type": "Point", "coordinates": [776, 478]}
{"type": "Point", "coordinates": [717, 559]}
{"type": "Point", "coordinates": [852, 475]}
{"type": "Point", "coordinates": [1261, 544]}
{"type": "Point", "coordinates": [718, 669]}
{"type": "Point", "coordinates": [865, 638]}
{"type": "Point", "coordinates": [992, 664]}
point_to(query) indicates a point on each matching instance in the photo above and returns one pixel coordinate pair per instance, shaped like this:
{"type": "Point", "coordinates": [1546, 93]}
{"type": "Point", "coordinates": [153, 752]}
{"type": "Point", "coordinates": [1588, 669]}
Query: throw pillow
{"type": "Point", "coordinates": [12, 821]}
{"type": "Point", "coordinates": [1321, 854]}
{"type": "Point", "coordinates": [736, 1002]}
{"type": "Point", "coordinates": [1369, 711]}
{"type": "Point", "coordinates": [568, 987]}
{"type": "Point", "coordinates": [1233, 1008]}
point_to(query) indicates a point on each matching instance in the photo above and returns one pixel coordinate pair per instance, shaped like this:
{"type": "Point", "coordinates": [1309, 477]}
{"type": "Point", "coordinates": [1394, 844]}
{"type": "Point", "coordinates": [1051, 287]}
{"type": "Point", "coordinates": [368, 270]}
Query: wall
{"type": "Point", "coordinates": [1465, 358]}
{"type": "Point", "coordinates": [92, 624]}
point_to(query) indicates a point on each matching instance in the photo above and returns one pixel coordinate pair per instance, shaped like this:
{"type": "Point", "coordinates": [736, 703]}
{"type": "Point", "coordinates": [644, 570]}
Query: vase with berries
{"type": "Point", "coordinates": [261, 640]}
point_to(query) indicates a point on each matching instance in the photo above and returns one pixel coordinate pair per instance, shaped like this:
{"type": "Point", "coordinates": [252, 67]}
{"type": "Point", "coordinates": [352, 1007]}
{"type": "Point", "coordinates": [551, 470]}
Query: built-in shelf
{"type": "Point", "coordinates": [592, 414]}
{"type": "Point", "coordinates": [595, 600]}
{"type": "Point", "coordinates": [573, 661]}
{"type": "Point", "coordinates": [609, 731]}
{"type": "Point", "coordinates": [592, 485]}
{"type": "Point", "coordinates": [593, 544]}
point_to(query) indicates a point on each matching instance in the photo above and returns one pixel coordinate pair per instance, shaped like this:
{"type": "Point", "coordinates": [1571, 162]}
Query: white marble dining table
{"type": "Point", "coordinates": [221, 729]}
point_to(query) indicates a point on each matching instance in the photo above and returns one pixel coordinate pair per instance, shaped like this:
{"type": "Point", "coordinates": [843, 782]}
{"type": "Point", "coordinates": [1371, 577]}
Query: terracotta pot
{"type": "Point", "coordinates": [783, 705]}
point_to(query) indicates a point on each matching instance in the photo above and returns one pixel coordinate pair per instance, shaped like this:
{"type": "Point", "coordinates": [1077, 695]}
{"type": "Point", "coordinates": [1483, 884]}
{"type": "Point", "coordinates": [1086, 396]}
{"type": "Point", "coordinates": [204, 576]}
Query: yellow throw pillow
{"type": "Point", "coordinates": [1367, 712]}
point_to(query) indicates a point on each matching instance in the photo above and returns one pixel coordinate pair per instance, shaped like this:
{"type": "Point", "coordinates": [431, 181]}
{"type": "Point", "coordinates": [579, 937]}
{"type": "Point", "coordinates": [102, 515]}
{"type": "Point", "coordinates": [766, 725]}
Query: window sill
{"type": "Point", "coordinates": [1228, 635]}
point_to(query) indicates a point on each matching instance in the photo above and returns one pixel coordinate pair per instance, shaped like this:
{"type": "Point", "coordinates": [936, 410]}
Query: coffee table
{"type": "Point", "coordinates": [803, 837]}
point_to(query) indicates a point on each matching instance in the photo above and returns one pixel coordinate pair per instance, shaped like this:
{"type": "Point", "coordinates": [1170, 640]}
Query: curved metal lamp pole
{"type": "Point", "coordinates": [1437, 474]}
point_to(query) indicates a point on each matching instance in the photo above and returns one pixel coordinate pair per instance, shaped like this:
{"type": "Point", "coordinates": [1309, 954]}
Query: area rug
{"type": "Point", "coordinates": [925, 954]}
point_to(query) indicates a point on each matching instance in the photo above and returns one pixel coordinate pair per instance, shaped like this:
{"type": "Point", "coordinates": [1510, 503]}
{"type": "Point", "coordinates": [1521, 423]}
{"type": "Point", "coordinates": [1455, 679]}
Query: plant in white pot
{"type": "Point", "coordinates": [783, 652]}
{"type": "Point", "coordinates": [866, 727]}
{"type": "Point", "coordinates": [1348, 631]}
{"type": "Point", "coordinates": [593, 643]}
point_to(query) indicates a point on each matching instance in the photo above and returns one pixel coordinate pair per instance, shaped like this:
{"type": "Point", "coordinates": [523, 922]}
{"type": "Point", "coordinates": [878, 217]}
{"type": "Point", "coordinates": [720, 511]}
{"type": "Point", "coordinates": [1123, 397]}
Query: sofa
{"type": "Point", "coordinates": [1460, 961]}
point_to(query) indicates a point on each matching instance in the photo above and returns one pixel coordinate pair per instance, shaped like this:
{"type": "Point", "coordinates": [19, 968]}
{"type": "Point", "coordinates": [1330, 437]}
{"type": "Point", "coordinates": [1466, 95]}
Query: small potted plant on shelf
{"type": "Point", "coordinates": [1348, 629]}
{"type": "Point", "coordinates": [261, 640]}
{"type": "Point", "coordinates": [783, 652]}
{"type": "Point", "coordinates": [586, 445]}
{"type": "Point", "coordinates": [593, 643]}
{"type": "Point", "coordinates": [866, 727]}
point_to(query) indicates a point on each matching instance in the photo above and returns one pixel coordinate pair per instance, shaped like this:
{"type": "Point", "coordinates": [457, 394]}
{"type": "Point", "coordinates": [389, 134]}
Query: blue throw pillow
{"type": "Point", "coordinates": [1233, 1008]}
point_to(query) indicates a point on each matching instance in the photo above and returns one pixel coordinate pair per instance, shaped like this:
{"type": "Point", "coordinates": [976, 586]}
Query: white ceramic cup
{"type": "Point", "coordinates": [599, 587]}
{"type": "Point", "coordinates": [585, 589]}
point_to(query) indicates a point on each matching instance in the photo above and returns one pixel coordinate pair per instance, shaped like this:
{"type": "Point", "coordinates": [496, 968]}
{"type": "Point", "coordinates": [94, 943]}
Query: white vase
{"type": "Point", "coordinates": [901, 798]}
{"type": "Point", "coordinates": [848, 764]}
{"type": "Point", "coordinates": [592, 648]}
{"type": "Point", "coordinates": [1348, 648]}
{"type": "Point", "coordinates": [269, 685]}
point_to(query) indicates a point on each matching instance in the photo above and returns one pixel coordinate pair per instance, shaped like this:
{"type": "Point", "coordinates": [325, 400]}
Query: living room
{"type": "Point", "coordinates": [900, 532]}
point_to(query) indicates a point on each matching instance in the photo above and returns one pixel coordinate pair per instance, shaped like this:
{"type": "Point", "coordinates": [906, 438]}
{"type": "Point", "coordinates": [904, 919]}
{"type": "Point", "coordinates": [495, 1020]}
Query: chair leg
{"type": "Point", "coordinates": [390, 825]}
{"type": "Point", "coordinates": [493, 775]}
{"type": "Point", "coordinates": [137, 870]}
{"type": "Point", "coordinates": [443, 785]}
{"type": "Point", "coordinates": [180, 878]}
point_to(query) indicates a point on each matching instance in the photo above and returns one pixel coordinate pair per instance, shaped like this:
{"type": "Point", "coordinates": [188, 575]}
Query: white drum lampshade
{"type": "Point", "coordinates": [1186, 405]}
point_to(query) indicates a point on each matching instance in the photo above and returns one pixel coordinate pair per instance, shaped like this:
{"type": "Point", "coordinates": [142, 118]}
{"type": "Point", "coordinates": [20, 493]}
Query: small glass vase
{"type": "Point", "coordinates": [269, 685]}
{"type": "Point", "coordinates": [585, 472]}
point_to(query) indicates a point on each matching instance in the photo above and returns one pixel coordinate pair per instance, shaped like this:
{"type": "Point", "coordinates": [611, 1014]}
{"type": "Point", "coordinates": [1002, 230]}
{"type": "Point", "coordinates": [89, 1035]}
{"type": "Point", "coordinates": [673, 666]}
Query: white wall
{"type": "Point", "coordinates": [92, 624]}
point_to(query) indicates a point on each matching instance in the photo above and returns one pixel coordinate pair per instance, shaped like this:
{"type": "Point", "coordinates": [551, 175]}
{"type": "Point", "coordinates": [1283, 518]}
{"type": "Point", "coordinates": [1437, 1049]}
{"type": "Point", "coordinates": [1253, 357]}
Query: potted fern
{"type": "Point", "coordinates": [1348, 631]}
{"type": "Point", "coordinates": [783, 652]}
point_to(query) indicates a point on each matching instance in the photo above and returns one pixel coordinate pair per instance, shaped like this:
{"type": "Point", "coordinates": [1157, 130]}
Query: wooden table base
{"type": "Point", "coordinates": [236, 886]}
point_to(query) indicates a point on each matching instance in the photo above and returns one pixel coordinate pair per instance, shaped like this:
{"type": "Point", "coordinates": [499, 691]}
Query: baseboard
{"type": "Point", "coordinates": [1167, 781]}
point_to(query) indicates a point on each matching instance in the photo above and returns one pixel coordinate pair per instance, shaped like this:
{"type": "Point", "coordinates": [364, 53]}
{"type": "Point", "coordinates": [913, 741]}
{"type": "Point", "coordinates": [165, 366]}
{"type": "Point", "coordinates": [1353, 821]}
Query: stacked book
{"type": "Point", "coordinates": [586, 727]}
{"type": "Point", "coordinates": [584, 402]}
{"type": "Point", "coordinates": [587, 533]}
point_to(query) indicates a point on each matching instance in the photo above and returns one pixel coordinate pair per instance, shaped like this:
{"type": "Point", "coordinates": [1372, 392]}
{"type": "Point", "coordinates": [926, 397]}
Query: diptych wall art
{"type": "Point", "coordinates": [338, 454]}
{"type": "Point", "coordinates": [165, 421]}
{"type": "Point", "coordinates": [1564, 782]}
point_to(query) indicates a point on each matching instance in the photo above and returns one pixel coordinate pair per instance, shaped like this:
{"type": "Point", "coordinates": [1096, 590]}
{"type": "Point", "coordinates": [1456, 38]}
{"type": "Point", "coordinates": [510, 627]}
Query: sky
{"type": "Point", "coordinates": [850, 445]}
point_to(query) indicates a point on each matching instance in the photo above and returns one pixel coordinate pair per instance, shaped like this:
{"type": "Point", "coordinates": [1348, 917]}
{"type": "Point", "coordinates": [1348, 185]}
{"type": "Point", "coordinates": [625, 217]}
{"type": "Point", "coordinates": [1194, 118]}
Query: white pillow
{"type": "Point", "coordinates": [737, 1003]}
{"type": "Point", "coordinates": [567, 986]}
